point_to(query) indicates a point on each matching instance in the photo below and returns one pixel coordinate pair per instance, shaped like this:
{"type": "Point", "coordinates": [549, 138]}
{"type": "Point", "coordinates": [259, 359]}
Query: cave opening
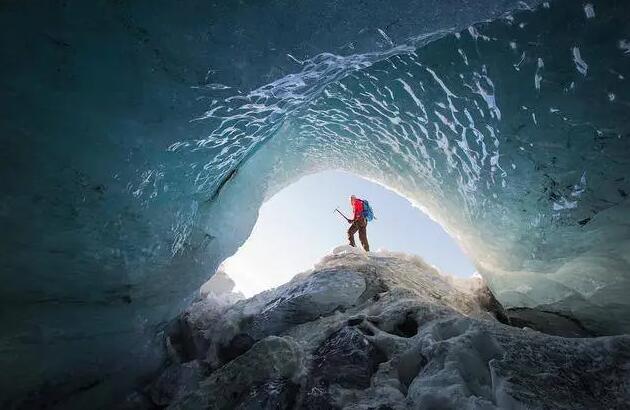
{"type": "Point", "coordinates": [297, 226]}
{"type": "Point", "coordinates": [142, 139]}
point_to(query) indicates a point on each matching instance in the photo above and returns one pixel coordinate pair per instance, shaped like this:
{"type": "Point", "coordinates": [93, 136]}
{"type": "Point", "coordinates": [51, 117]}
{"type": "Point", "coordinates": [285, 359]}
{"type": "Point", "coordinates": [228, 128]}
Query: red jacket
{"type": "Point", "coordinates": [358, 209]}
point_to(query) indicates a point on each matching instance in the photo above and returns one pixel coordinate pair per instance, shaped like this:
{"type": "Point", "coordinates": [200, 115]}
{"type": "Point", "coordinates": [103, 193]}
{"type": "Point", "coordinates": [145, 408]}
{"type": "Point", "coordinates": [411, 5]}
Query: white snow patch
{"type": "Point", "coordinates": [564, 204]}
{"type": "Point", "coordinates": [538, 77]}
{"type": "Point", "coordinates": [589, 10]}
{"type": "Point", "coordinates": [523, 288]}
{"type": "Point", "coordinates": [580, 64]}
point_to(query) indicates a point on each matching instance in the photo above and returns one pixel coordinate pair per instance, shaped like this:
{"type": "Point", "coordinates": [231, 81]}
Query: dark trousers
{"type": "Point", "coordinates": [360, 225]}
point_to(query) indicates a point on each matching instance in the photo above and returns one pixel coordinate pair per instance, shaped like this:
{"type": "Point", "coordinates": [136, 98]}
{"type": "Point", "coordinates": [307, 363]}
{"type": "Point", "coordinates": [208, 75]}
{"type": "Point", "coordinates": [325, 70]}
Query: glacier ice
{"type": "Point", "coordinates": [399, 335]}
{"type": "Point", "coordinates": [140, 138]}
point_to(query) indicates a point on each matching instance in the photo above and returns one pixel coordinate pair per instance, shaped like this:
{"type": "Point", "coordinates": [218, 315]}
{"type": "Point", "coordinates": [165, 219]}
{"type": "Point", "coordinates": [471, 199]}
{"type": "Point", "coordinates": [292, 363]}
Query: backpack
{"type": "Point", "coordinates": [368, 214]}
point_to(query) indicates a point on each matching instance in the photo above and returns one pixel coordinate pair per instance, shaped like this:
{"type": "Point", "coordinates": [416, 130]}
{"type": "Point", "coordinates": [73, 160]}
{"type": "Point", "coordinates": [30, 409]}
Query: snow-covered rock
{"type": "Point", "coordinates": [385, 331]}
{"type": "Point", "coordinates": [220, 288]}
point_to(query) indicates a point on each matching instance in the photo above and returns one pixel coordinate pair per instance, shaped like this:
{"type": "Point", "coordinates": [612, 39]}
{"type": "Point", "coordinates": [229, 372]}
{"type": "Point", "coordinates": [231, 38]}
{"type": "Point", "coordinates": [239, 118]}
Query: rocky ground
{"type": "Point", "coordinates": [381, 331]}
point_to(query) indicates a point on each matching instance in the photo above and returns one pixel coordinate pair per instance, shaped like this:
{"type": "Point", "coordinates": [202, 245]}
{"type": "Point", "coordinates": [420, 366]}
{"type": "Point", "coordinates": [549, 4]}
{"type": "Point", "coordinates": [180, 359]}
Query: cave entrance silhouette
{"type": "Point", "coordinates": [296, 228]}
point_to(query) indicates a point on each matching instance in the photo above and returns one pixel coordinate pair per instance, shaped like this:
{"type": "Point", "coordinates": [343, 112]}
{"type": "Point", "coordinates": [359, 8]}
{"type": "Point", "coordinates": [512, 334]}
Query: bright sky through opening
{"type": "Point", "coordinates": [297, 227]}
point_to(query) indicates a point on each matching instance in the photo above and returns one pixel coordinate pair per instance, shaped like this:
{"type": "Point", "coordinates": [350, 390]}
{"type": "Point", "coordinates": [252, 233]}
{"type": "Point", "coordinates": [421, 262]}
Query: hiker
{"type": "Point", "coordinates": [358, 223]}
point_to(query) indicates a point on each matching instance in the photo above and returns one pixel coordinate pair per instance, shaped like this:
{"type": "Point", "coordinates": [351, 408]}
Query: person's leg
{"type": "Point", "coordinates": [363, 236]}
{"type": "Point", "coordinates": [351, 231]}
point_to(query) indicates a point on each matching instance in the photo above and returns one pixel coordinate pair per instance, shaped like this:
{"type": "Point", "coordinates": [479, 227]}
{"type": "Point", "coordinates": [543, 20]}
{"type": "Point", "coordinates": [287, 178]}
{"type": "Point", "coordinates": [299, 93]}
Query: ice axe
{"type": "Point", "coordinates": [344, 217]}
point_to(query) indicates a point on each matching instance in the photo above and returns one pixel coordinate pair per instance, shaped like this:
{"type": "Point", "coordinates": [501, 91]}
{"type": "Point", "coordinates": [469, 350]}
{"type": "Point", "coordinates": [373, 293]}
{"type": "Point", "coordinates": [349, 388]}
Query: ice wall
{"type": "Point", "coordinates": [505, 134]}
{"type": "Point", "coordinates": [139, 139]}
{"type": "Point", "coordinates": [513, 135]}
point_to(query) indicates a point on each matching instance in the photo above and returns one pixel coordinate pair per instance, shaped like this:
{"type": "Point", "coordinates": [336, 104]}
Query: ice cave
{"type": "Point", "coordinates": [140, 138]}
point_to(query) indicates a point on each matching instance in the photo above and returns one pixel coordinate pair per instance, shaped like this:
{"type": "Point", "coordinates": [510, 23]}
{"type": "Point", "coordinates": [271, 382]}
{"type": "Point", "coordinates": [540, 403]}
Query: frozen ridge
{"type": "Point", "coordinates": [379, 331]}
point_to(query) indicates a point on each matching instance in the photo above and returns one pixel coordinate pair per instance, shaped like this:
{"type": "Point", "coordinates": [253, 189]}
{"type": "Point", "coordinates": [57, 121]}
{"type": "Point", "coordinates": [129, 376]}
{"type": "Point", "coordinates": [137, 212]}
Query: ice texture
{"type": "Point", "coordinates": [140, 139]}
{"type": "Point", "coordinates": [409, 339]}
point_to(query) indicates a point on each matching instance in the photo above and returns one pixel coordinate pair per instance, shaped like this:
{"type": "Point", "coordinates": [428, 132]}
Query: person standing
{"type": "Point", "coordinates": [358, 223]}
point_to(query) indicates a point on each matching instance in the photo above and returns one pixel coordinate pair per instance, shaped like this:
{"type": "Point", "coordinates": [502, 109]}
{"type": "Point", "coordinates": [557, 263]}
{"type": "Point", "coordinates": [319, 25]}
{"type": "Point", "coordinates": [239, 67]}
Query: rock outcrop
{"type": "Point", "coordinates": [383, 331]}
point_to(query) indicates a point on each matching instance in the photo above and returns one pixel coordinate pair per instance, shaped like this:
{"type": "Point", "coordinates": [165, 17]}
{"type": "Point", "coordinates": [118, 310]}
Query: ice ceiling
{"type": "Point", "coordinates": [140, 138]}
